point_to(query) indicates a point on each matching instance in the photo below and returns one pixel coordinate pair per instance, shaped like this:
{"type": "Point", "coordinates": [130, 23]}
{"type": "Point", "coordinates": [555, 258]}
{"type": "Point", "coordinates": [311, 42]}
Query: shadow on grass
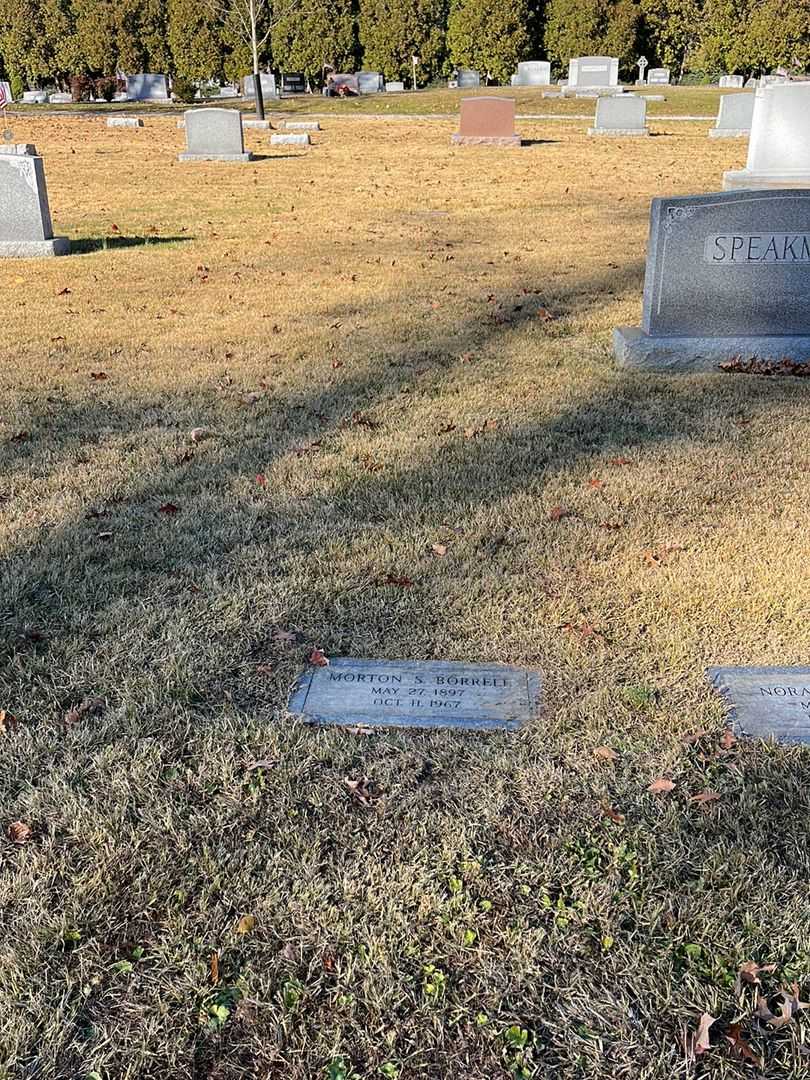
{"type": "Point", "coordinates": [87, 245]}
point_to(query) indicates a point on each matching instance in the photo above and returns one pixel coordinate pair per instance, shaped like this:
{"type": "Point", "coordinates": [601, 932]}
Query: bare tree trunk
{"type": "Point", "coordinates": [257, 78]}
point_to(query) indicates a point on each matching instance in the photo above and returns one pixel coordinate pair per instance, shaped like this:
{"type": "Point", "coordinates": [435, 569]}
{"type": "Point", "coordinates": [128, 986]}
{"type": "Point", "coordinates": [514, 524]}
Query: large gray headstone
{"type": "Point", "coordinates": [369, 82]}
{"type": "Point", "coordinates": [25, 217]}
{"type": "Point", "coordinates": [468, 79]}
{"type": "Point", "coordinates": [592, 71]}
{"type": "Point", "coordinates": [766, 702]}
{"type": "Point", "coordinates": [267, 82]}
{"type": "Point", "coordinates": [147, 87]}
{"type": "Point", "coordinates": [620, 116]}
{"type": "Point", "coordinates": [728, 276]}
{"type": "Point", "coordinates": [532, 73]}
{"type": "Point", "coordinates": [394, 693]}
{"type": "Point", "coordinates": [734, 116]}
{"type": "Point", "coordinates": [214, 135]}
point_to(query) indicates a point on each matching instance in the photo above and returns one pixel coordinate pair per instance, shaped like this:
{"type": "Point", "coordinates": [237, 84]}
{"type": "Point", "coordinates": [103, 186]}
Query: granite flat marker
{"type": "Point", "coordinates": [407, 693]}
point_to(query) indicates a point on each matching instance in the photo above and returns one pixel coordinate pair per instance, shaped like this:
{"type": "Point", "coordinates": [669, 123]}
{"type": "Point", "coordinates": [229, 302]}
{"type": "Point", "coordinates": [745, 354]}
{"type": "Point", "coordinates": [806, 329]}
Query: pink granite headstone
{"type": "Point", "coordinates": [487, 121]}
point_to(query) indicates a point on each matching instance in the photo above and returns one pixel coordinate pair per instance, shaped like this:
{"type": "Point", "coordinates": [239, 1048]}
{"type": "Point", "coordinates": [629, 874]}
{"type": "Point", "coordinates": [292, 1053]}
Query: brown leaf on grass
{"type": "Point", "coordinates": [215, 968]}
{"type": "Point", "coordinates": [704, 797]}
{"type": "Point", "coordinates": [621, 461]}
{"type": "Point", "coordinates": [750, 971]}
{"type": "Point", "coordinates": [659, 557]}
{"type": "Point", "coordinates": [361, 729]}
{"type": "Point", "coordinates": [544, 315]}
{"type": "Point", "coordinates": [472, 432]}
{"type": "Point", "coordinates": [728, 739]}
{"type": "Point", "coordinates": [763, 1010]}
{"type": "Point", "coordinates": [612, 814]}
{"type": "Point", "coordinates": [99, 376]}
{"type": "Point", "coordinates": [19, 832]}
{"type": "Point", "coordinates": [611, 526]}
{"type": "Point", "coordinates": [585, 630]}
{"type": "Point", "coordinates": [394, 579]}
{"type": "Point", "coordinates": [199, 433]}
{"type": "Point", "coordinates": [605, 753]}
{"type": "Point", "coordinates": [168, 508]}
{"type": "Point", "coordinates": [287, 637]}
{"type": "Point", "coordinates": [21, 436]}
{"type": "Point", "coordinates": [702, 1041]}
{"type": "Point", "coordinates": [363, 791]}
{"type": "Point", "coordinates": [245, 924]}
{"type": "Point", "coordinates": [318, 658]}
{"type": "Point", "coordinates": [89, 707]}
{"type": "Point", "coordinates": [265, 669]}
{"type": "Point", "coordinates": [557, 513]}
{"type": "Point", "coordinates": [7, 721]}
{"type": "Point", "coordinates": [64, 292]}
{"type": "Point", "coordinates": [661, 786]}
{"type": "Point", "coordinates": [261, 480]}
{"type": "Point", "coordinates": [595, 482]}
{"type": "Point", "coordinates": [740, 1048]}
{"type": "Point", "coordinates": [263, 763]}
{"type": "Point", "coordinates": [360, 419]}
{"type": "Point", "coordinates": [690, 740]}
{"type": "Point", "coordinates": [439, 550]}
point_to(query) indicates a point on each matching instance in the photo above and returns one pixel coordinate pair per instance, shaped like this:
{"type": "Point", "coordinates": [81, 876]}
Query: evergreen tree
{"type": "Point", "coordinates": [195, 41]}
{"type": "Point", "coordinates": [490, 36]}
{"type": "Point", "coordinates": [672, 29]}
{"type": "Point", "coordinates": [722, 30]}
{"type": "Point", "coordinates": [321, 32]}
{"type": "Point", "coordinates": [593, 28]}
{"type": "Point", "coordinates": [392, 31]}
{"type": "Point", "coordinates": [778, 35]}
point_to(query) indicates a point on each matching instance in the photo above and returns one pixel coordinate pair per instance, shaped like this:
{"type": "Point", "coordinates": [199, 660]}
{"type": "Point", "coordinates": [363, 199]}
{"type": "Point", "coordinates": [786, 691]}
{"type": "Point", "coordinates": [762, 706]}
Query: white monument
{"type": "Point", "coordinates": [532, 73]}
{"type": "Point", "coordinates": [25, 218]}
{"type": "Point", "coordinates": [620, 116]}
{"type": "Point", "coordinates": [733, 117]}
{"type": "Point", "coordinates": [731, 82]}
{"type": "Point", "coordinates": [779, 146]}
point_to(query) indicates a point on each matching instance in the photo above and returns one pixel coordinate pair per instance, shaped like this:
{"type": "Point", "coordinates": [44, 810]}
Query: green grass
{"type": "Point", "coordinates": [513, 906]}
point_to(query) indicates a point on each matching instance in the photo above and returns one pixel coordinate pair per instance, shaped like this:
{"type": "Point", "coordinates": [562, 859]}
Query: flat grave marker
{"type": "Point", "coordinates": [727, 277]}
{"type": "Point", "coordinates": [766, 702]}
{"type": "Point", "coordinates": [407, 693]}
{"type": "Point", "coordinates": [290, 138]}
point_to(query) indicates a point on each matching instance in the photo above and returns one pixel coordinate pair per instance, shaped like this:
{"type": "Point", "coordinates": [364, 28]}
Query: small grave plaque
{"type": "Point", "coordinates": [400, 693]}
{"type": "Point", "coordinates": [766, 702]}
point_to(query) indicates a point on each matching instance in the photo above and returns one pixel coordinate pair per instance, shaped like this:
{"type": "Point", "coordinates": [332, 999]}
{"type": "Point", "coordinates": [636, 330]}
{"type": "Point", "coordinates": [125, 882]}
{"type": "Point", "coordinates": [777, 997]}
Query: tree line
{"type": "Point", "coordinates": [48, 41]}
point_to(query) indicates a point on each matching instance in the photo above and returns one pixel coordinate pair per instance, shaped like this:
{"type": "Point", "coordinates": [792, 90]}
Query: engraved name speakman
{"type": "Point", "coordinates": [753, 249]}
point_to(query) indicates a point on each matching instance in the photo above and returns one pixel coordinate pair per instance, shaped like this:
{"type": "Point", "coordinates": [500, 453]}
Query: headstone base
{"type": "Point", "coordinates": [215, 157]}
{"type": "Point", "coordinates": [744, 180]}
{"type": "Point", "coordinates": [262, 125]}
{"type": "Point", "coordinates": [729, 133]}
{"type": "Point", "coordinates": [618, 131]}
{"type": "Point", "coordinates": [635, 349]}
{"type": "Point", "coordinates": [485, 140]}
{"type": "Point", "coordinates": [290, 139]}
{"type": "Point", "coordinates": [302, 125]}
{"type": "Point", "coordinates": [34, 249]}
{"type": "Point", "coordinates": [125, 121]}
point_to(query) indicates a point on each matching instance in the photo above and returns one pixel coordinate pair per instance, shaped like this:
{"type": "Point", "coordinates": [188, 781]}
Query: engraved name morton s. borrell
{"type": "Point", "coordinates": [755, 249]}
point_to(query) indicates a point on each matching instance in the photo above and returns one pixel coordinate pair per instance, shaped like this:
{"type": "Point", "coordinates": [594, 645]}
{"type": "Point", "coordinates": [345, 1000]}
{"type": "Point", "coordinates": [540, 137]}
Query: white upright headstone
{"type": "Point", "coordinates": [731, 82]}
{"type": "Point", "coordinates": [268, 85]}
{"type": "Point", "coordinates": [593, 71]}
{"type": "Point", "coordinates": [147, 87]}
{"type": "Point", "coordinates": [620, 116]}
{"type": "Point", "coordinates": [779, 146]}
{"type": "Point", "coordinates": [532, 73]}
{"type": "Point", "coordinates": [733, 117]}
{"type": "Point", "coordinates": [25, 217]}
{"type": "Point", "coordinates": [658, 76]}
{"type": "Point", "coordinates": [214, 135]}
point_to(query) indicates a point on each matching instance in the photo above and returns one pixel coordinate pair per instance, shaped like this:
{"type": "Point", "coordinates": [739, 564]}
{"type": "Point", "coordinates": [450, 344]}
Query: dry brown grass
{"type": "Point", "coordinates": [337, 318]}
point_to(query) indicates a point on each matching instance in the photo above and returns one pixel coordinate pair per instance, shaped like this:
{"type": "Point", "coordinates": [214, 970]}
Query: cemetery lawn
{"type": "Point", "coordinates": [415, 444]}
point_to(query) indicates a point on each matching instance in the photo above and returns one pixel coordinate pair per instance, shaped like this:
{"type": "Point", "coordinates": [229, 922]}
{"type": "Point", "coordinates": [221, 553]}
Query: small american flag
{"type": "Point", "coordinates": [3, 95]}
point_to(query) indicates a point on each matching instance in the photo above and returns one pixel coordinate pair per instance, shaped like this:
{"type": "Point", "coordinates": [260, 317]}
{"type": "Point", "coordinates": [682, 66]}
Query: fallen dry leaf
{"type": "Point", "coordinates": [263, 763]}
{"type": "Point", "coordinates": [728, 739]}
{"type": "Point", "coordinates": [99, 376]}
{"type": "Point", "coordinates": [214, 968]}
{"type": "Point", "coordinates": [557, 513]}
{"type": "Point", "coordinates": [18, 832]}
{"type": "Point", "coordinates": [360, 729]}
{"type": "Point", "coordinates": [613, 815]}
{"type": "Point", "coordinates": [7, 721]}
{"type": "Point", "coordinates": [89, 707]}
{"type": "Point", "coordinates": [702, 1043]}
{"type": "Point", "coordinates": [605, 753]}
{"type": "Point", "coordinates": [261, 480]}
{"type": "Point", "coordinates": [245, 924]}
{"type": "Point", "coordinates": [318, 658]}
{"type": "Point", "coordinates": [394, 579]}
{"type": "Point", "coordinates": [363, 791]}
{"type": "Point", "coordinates": [595, 482]}
{"type": "Point", "coordinates": [704, 797]}
{"type": "Point", "coordinates": [750, 971]}
{"type": "Point", "coordinates": [168, 508]}
{"type": "Point", "coordinates": [661, 786]}
{"type": "Point", "coordinates": [621, 461]}
{"type": "Point", "coordinates": [440, 550]}
{"type": "Point", "coordinates": [740, 1048]}
{"type": "Point", "coordinates": [199, 433]}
